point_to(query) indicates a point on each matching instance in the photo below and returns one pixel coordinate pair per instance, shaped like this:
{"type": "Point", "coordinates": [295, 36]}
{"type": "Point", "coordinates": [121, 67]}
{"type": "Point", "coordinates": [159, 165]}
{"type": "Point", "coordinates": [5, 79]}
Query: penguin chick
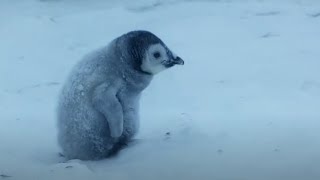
{"type": "Point", "coordinates": [98, 108]}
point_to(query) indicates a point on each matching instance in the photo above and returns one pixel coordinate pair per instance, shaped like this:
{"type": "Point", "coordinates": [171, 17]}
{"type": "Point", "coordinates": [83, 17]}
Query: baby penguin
{"type": "Point", "coordinates": [98, 108]}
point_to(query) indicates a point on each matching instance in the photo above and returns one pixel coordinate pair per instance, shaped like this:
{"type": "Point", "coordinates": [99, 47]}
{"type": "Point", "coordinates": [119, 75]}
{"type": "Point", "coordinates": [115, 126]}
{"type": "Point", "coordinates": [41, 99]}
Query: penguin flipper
{"type": "Point", "coordinates": [106, 102]}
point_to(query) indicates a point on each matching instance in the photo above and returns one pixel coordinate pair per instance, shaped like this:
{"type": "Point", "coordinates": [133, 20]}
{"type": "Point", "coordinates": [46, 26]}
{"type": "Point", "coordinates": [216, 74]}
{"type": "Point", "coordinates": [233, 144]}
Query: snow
{"type": "Point", "coordinates": [243, 107]}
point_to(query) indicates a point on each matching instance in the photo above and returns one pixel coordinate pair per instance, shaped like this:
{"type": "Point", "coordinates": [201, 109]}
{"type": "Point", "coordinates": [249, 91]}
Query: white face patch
{"type": "Point", "coordinates": [152, 61]}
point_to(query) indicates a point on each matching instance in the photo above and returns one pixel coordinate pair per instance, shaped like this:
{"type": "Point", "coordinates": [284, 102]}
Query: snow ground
{"type": "Point", "coordinates": [244, 107]}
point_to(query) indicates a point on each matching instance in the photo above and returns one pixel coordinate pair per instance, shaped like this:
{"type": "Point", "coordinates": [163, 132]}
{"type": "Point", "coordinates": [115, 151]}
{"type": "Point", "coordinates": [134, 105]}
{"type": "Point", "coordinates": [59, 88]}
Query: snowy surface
{"type": "Point", "coordinates": [244, 107]}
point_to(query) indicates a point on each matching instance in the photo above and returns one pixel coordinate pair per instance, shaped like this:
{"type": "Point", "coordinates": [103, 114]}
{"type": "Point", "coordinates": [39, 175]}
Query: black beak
{"type": "Point", "coordinates": [178, 61]}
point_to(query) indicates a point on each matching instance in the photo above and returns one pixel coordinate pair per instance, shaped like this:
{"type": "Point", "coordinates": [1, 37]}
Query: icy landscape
{"type": "Point", "coordinates": [245, 106]}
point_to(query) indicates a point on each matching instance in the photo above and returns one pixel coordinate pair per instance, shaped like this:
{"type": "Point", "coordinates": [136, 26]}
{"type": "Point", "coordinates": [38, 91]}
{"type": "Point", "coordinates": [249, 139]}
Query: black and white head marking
{"type": "Point", "coordinates": [150, 53]}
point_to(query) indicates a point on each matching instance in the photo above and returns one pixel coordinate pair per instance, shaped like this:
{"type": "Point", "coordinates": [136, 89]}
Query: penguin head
{"type": "Point", "coordinates": [151, 54]}
{"type": "Point", "coordinates": [158, 58]}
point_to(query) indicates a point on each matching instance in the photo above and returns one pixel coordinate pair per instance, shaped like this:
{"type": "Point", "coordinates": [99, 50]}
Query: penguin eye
{"type": "Point", "coordinates": [156, 55]}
